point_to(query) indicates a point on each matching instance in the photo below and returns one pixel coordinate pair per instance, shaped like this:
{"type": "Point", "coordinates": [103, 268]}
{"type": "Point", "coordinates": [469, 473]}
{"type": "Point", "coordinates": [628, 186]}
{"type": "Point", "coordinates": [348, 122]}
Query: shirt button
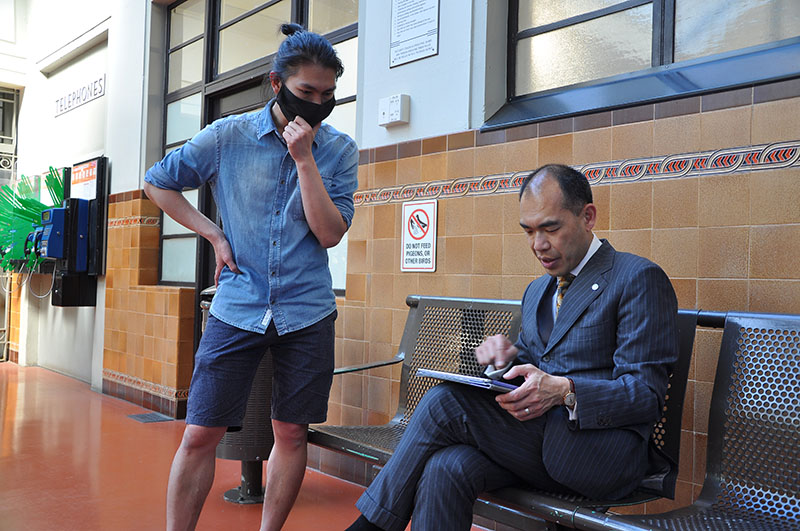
{"type": "Point", "coordinates": [283, 181]}
{"type": "Point", "coordinates": [273, 273]}
{"type": "Point", "coordinates": [546, 358]}
{"type": "Point", "coordinates": [277, 212]}
{"type": "Point", "coordinates": [272, 301]}
{"type": "Point", "coordinates": [274, 243]}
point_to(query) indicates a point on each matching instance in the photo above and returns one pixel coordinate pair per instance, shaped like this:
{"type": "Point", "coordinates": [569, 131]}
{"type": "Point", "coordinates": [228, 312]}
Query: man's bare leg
{"type": "Point", "coordinates": [191, 476]}
{"type": "Point", "coordinates": [285, 469]}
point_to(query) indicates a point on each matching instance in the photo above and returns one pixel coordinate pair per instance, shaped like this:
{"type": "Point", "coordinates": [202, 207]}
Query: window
{"type": "Point", "coordinates": [9, 99]}
{"type": "Point", "coordinates": [567, 58]}
{"type": "Point", "coordinates": [219, 51]}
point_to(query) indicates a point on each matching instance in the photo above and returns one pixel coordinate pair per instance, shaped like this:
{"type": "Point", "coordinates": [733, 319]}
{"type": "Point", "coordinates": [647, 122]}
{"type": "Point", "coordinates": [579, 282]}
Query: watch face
{"type": "Point", "coordinates": [569, 399]}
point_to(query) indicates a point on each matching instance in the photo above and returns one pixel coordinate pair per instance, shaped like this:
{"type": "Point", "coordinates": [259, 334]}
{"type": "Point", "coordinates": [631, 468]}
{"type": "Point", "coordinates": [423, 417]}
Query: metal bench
{"type": "Point", "coordinates": [752, 477]}
{"type": "Point", "coordinates": [441, 333]}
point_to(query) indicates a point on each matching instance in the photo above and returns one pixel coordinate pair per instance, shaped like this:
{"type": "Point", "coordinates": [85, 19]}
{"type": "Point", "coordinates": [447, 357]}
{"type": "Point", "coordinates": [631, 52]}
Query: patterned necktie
{"type": "Point", "coordinates": [563, 284]}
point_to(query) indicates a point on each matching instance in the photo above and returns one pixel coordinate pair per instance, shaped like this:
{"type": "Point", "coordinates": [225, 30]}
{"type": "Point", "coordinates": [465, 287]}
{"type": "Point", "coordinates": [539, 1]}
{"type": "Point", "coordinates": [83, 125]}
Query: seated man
{"type": "Point", "coordinates": [597, 341]}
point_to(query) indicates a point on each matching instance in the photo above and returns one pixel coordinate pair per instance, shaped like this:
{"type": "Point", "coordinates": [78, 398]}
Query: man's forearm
{"type": "Point", "coordinates": [322, 216]}
{"type": "Point", "coordinates": [178, 208]}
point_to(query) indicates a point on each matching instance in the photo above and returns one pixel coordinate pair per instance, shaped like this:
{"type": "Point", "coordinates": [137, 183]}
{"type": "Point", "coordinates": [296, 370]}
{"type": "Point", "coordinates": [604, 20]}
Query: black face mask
{"type": "Point", "coordinates": [311, 112]}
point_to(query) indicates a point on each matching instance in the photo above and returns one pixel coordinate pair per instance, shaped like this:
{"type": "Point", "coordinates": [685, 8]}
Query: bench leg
{"type": "Point", "coordinates": [251, 490]}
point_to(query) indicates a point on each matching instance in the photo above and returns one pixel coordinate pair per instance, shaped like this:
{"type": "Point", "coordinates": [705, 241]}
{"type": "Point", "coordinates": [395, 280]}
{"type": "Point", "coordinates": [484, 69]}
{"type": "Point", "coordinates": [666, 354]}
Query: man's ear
{"type": "Point", "coordinates": [275, 82]}
{"type": "Point", "coordinates": [589, 215]}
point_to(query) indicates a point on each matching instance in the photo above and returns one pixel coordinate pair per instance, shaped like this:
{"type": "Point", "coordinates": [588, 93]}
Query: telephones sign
{"type": "Point", "coordinates": [419, 236]}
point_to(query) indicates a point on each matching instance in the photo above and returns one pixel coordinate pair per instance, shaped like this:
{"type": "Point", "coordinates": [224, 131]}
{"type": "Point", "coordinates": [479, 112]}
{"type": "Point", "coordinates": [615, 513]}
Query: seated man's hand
{"type": "Point", "coordinates": [539, 393]}
{"type": "Point", "coordinates": [496, 350]}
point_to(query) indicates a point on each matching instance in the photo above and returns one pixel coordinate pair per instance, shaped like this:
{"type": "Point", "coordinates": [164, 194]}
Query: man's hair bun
{"type": "Point", "coordinates": [290, 29]}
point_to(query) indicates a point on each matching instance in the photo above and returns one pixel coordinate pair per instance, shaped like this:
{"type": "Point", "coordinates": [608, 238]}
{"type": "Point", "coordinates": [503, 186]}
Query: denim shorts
{"type": "Point", "coordinates": [226, 362]}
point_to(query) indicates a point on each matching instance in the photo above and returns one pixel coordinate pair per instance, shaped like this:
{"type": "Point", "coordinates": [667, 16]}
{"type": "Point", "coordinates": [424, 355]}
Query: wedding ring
{"type": "Point", "coordinates": [528, 411]}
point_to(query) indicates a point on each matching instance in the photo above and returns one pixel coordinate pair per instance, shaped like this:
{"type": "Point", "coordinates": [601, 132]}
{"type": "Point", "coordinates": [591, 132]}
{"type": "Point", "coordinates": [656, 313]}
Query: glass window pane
{"type": "Point", "coordinates": [185, 66]}
{"type": "Point", "coordinates": [716, 26]}
{"type": "Point", "coordinates": [183, 118]}
{"type": "Point", "coordinates": [348, 54]}
{"type": "Point", "coordinates": [178, 259]}
{"type": "Point", "coordinates": [343, 118]}
{"type": "Point", "coordinates": [186, 21]}
{"type": "Point", "coordinates": [598, 48]}
{"type": "Point", "coordinates": [230, 9]}
{"type": "Point", "coordinates": [171, 226]}
{"type": "Point", "coordinates": [254, 37]}
{"type": "Point", "coordinates": [533, 13]}
{"type": "Point", "coordinates": [328, 15]}
{"type": "Point", "coordinates": [337, 262]}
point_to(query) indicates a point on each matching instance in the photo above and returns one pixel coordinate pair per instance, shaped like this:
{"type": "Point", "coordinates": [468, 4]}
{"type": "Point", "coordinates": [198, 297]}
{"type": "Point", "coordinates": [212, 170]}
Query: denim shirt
{"type": "Point", "coordinates": [284, 270]}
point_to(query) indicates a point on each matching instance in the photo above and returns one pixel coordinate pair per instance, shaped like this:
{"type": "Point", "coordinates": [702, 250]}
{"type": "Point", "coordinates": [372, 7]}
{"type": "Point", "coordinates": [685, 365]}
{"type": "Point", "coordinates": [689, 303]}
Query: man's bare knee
{"type": "Point", "coordinates": [290, 434]}
{"type": "Point", "coordinates": [201, 439]}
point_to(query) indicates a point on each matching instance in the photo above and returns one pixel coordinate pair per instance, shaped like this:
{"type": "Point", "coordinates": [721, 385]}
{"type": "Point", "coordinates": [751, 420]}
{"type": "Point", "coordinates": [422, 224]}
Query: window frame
{"type": "Point", "coordinates": [664, 80]}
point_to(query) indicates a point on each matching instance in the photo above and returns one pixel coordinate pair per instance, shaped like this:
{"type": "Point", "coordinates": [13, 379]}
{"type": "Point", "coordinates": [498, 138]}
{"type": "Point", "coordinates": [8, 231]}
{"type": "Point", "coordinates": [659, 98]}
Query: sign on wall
{"type": "Point", "coordinates": [86, 92]}
{"type": "Point", "coordinates": [419, 236]}
{"type": "Point", "coordinates": [414, 32]}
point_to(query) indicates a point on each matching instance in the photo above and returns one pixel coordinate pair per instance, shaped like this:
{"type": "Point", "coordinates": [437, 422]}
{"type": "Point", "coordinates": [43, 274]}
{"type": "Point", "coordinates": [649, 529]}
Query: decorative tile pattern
{"type": "Point", "coordinates": [732, 160]}
{"type": "Point", "coordinates": [150, 387]}
{"type": "Point", "coordinates": [134, 221]}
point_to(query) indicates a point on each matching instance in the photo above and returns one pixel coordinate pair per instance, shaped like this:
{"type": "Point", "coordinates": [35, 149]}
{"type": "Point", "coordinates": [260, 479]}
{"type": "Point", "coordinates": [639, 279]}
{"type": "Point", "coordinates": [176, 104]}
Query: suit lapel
{"type": "Point", "coordinates": [586, 287]}
{"type": "Point", "coordinates": [538, 291]}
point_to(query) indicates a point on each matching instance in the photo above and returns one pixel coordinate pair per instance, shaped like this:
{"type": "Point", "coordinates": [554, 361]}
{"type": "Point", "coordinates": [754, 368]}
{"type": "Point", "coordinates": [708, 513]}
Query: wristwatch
{"type": "Point", "coordinates": [569, 398]}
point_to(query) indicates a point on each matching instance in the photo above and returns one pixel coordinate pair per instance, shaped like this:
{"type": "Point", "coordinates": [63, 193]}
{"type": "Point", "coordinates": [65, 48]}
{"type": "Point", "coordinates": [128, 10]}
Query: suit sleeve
{"type": "Point", "coordinates": [646, 350]}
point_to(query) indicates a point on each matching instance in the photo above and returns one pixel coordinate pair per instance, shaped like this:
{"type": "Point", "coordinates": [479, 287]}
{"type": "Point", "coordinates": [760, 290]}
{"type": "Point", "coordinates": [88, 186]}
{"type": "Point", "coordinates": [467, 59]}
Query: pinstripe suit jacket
{"type": "Point", "coordinates": [616, 336]}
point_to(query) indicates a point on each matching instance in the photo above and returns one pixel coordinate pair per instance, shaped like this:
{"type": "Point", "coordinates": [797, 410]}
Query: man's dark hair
{"type": "Point", "coordinates": [301, 47]}
{"type": "Point", "coordinates": [574, 185]}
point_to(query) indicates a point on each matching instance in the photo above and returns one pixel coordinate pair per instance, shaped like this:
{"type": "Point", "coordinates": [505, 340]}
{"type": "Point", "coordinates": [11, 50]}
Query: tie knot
{"type": "Point", "coordinates": [565, 281]}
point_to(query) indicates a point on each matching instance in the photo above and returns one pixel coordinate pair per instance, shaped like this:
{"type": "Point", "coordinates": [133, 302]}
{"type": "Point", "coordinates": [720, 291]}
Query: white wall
{"type": "Point", "coordinates": [454, 91]}
{"type": "Point", "coordinates": [13, 21]}
{"type": "Point", "coordinates": [84, 39]}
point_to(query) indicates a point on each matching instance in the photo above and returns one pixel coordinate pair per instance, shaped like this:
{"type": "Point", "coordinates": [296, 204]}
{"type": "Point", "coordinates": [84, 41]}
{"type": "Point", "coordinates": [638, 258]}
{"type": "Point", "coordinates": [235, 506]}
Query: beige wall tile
{"type": "Point", "coordinates": [356, 287]}
{"type": "Point", "coordinates": [381, 290]}
{"type": "Point", "coordinates": [632, 241]}
{"type": "Point", "coordinates": [409, 170]}
{"type": "Point", "coordinates": [488, 214]}
{"type": "Point", "coordinates": [455, 256]}
{"type": "Point", "coordinates": [632, 141]}
{"type": "Point", "coordinates": [461, 163]}
{"type": "Point", "coordinates": [601, 197]}
{"type": "Point", "coordinates": [724, 200]}
{"type": "Point", "coordinates": [352, 389]}
{"type": "Point", "coordinates": [522, 155]}
{"type": "Point", "coordinates": [405, 284]}
{"type": "Point", "coordinates": [379, 391]}
{"type": "Point", "coordinates": [511, 214]}
{"type": "Point", "coordinates": [776, 121]}
{"type": "Point", "coordinates": [675, 203]}
{"type": "Point", "coordinates": [487, 254]}
{"type": "Point", "coordinates": [707, 343]}
{"type": "Point", "coordinates": [399, 318]}
{"type": "Point", "coordinates": [702, 404]}
{"type": "Point", "coordinates": [685, 291]}
{"type": "Point", "coordinates": [591, 146]}
{"type": "Point", "coordinates": [457, 286]}
{"type": "Point", "coordinates": [676, 135]}
{"type": "Point", "coordinates": [775, 196]}
{"type": "Point", "coordinates": [722, 295]}
{"type": "Point", "coordinates": [675, 250]}
{"type": "Point", "coordinates": [354, 323]}
{"type": "Point", "coordinates": [487, 286]}
{"type": "Point", "coordinates": [723, 252]}
{"type": "Point", "coordinates": [775, 252]}
{"type": "Point", "coordinates": [385, 223]}
{"type": "Point", "coordinates": [555, 150]}
{"type": "Point", "coordinates": [385, 256]}
{"type": "Point", "coordinates": [357, 256]}
{"type": "Point", "coordinates": [364, 172]}
{"type": "Point", "coordinates": [513, 286]}
{"type": "Point", "coordinates": [490, 160]}
{"type": "Point", "coordinates": [385, 174]}
{"type": "Point", "coordinates": [379, 322]}
{"type": "Point", "coordinates": [434, 167]}
{"type": "Point", "coordinates": [361, 227]}
{"type": "Point", "coordinates": [687, 419]}
{"type": "Point", "coordinates": [458, 218]}
{"type": "Point", "coordinates": [775, 296]}
{"type": "Point", "coordinates": [518, 258]}
{"type": "Point", "coordinates": [631, 205]}
{"type": "Point", "coordinates": [725, 129]}
{"type": "Point", "coordinates": [431, 283]}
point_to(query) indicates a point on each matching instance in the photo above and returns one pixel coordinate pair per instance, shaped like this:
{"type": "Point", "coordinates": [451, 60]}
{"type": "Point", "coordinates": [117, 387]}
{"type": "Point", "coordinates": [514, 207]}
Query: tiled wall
{"type": "Point", "coordinates": [727, 236]}
{"type": "Point", "coordinates": [12, 326]}
{"type": "Point", "coordinates": [148, 348]}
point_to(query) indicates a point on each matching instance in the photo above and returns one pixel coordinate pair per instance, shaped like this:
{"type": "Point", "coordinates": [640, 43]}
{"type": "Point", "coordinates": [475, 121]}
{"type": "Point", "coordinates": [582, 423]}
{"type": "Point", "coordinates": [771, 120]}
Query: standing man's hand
{"type": "Point", "coordinates": [299, 137]}
{"type": "Point", "coordinates": [539, 393]}
{"type": "Point", "coordinates": [223, 254]}
{"type": "Point", "coordinates": [496, 350]}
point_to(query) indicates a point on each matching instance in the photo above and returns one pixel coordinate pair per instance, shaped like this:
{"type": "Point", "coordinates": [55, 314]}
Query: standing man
{"type": "Point", "coordinates": [283, 183]}
{"type": "Point", "coordinates": [596, 345]}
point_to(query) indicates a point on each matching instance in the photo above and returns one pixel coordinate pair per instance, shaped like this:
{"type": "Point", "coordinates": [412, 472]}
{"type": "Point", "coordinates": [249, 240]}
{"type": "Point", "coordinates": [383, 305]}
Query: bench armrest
{"type": "Point", "coordinates": [375, 364]}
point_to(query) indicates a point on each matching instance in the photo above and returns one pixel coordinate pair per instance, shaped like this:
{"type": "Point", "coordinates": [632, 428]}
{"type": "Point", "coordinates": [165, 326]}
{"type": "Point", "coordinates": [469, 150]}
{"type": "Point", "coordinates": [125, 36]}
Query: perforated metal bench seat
{"type": "Point", "coordinates": [441, 333]}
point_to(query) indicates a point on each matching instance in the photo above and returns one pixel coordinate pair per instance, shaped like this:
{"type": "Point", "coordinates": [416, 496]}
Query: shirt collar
{"type": "Point", "coordinates": [267, 125]}
{"type": "Point", "coordinates": [593, 247]}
